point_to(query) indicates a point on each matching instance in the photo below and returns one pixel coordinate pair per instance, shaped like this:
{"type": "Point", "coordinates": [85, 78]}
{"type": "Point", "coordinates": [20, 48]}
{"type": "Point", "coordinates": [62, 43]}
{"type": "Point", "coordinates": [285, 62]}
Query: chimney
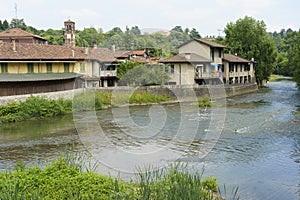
{"type": "Point", "coordinates": [95, 46]}
{"type": "Point", "coordinates": [252, 59]}
{"type": "Point", "coordinates": [86, 51]}
{"type": "Point", "coordinates": [187, 56]}
{"type": "Point", "coordinates": [113, 48]}
{"type": "Point", "coordinates": [14, 45]}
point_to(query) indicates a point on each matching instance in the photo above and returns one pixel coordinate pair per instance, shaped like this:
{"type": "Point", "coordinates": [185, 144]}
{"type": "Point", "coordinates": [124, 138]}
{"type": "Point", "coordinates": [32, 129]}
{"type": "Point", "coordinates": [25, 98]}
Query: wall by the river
{"type": "Point", "coordinates": [180, 93]}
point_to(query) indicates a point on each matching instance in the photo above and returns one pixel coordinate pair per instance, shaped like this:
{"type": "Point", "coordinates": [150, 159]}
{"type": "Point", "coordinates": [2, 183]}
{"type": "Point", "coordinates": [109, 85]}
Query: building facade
{"type": "Point", "coordinates": [201, 61]}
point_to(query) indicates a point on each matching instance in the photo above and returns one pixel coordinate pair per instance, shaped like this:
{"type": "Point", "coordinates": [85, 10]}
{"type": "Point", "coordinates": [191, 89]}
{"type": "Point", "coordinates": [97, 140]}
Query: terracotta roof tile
{"type": "Point", "coordinates": [102, 54]}
{"type": "Point", "coordinates": [18, 33]}
{"type": "Point", "coordinates": [52, 52]}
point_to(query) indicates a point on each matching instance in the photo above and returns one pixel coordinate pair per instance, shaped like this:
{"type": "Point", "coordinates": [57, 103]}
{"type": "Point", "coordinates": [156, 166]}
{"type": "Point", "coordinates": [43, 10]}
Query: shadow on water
{"type": "Point", "coordinates": [31, 141]}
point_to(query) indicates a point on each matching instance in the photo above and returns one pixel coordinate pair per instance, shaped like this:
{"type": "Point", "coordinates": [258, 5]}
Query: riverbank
{"type": "Point", "coordinates": [26, 107]}
{"type": "Point", "coordinates": [172, 91]}
{"type": "Point", "coordinates": [68, 178]}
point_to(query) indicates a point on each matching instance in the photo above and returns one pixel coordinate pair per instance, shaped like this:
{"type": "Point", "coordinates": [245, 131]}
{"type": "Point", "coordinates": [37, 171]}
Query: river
{"type": "Point", "coordinates": [258, 149]}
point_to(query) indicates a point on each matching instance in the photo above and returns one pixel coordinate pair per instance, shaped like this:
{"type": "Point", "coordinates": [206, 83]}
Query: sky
{"type": "Point", "coordinates": [209, 17]}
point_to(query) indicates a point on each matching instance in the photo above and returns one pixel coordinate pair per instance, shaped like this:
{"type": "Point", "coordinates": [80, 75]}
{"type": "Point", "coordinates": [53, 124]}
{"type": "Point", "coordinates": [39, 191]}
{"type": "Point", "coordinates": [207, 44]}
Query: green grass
{"type": "Point", "coordinates": [67, 178]}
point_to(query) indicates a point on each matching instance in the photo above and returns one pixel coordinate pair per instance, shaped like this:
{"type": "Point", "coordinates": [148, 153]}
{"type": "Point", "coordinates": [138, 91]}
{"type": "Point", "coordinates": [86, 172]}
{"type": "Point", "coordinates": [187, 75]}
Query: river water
{"type": "Point", "coordinates": [258, 149]}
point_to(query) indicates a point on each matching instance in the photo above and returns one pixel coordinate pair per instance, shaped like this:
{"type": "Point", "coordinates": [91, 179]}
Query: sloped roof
{"type": "Point", "coordinates": [39, 52]}
{"type": "Point", "coordinates": [101, 54]}
{"type": "Point", "coordinates": [122, 54]}
{"type": "Point", "coordinates": [52, 52]}
{"type": "Point", "coordinates": [186, 58]}
{"type": "Point", "coordinates": [206, 42]}
{"type": "Point", "coordinates": [234, 58]}
{"type": "Point", "coordinates": [37, 77]}
{"type": "Point", "coordinates": [18, 33]}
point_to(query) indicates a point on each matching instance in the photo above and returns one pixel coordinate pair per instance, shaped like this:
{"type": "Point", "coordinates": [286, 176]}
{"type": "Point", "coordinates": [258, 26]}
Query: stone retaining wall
{"type": "Point", "coordinates": [179, 93]}
{"type": "Point", "coordinates": [68, 94]}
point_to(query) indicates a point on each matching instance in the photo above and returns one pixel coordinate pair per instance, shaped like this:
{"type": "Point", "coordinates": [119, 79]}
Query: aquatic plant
{"type": "Point", "coordinates": [64, 178]}
{"type": "Point", "coordinates": [204, 101]}
{"type": "Point", "coordinates": [34, 108]}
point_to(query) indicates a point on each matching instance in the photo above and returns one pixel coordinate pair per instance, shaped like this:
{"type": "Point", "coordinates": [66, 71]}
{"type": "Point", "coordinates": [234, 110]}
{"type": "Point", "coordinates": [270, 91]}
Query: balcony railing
{"type": "Point", "coordinates": [108, 73]}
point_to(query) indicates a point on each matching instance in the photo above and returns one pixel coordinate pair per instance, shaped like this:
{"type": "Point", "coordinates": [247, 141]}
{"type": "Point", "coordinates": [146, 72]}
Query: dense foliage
{"type": "Point", "coordinates": [130, 38]}
{"type": "Point", "coordinates": [34, 108]}
{"type": "Point", "coordinates": [41, 107]}
{"type": "Point", "coordinates": [137, 74]}
{"type": "Point", "coordinates": [66, 179]}
{"type": "Point", "coordinates": [288, 59]}
{"type": "Point", "coordinates": [249, 39]}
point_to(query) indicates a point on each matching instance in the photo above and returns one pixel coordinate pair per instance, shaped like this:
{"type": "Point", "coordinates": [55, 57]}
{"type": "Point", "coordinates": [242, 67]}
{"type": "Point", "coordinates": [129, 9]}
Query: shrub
{"type": "Point", "coordinates": [204, 102]}
{"type": "Point", "coordinates": [34, 108]}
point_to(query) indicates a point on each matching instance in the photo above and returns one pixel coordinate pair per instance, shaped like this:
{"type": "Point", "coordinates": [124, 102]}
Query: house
{"type": "Point", "coordinates": [34, 68]}
{"type": "Point", "coordinates": [19, 36]}
{"type": "Point", "coordinates": [141, 56]}
{"type": "Point", "coordinates": [237, 70]}
{"type": "Point", "coordinates": [187, 68]}
{"type": "Point", "coordinates": [202, 61]}
{"type": "Point", "coordinates": [30, 65]}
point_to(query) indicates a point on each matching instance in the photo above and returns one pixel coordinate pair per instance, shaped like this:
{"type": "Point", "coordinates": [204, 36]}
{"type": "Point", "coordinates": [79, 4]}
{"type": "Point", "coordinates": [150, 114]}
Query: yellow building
{"type": "Point", "coordinates": [201, 61]}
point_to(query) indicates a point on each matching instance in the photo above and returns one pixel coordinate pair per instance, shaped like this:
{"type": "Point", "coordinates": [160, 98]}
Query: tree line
{"type": "Point", "coordinates": [130, 38]}
{"type": "Point", "coordinates": [248, 38]}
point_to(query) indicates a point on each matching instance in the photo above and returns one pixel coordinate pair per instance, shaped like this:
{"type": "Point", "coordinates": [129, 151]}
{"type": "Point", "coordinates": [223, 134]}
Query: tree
{"type": "Point", "coordinates": [5, 25]}
{"type": "Point", "coordinates": [295, 59]}
{"type": "Point", "coordinates": [137, 74]}
{"type": "Point", "coordinates": [18, 23]}
{"type": "Point", "coordinates": [249, 39]}
{"type": "Point", "coordinates": [194, 33]}
{"type": "Point", "coordinates": [135, 30]}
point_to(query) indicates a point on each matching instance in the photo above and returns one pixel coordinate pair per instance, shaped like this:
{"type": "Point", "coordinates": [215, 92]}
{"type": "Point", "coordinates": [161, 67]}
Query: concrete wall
{"type": "Point", "coordinates": [50, 95]}
{"type": "Point", "coordinates": [197, 48]}
{"type": "Point", "coordinates": [179, 93]}
{"type": "Point", "coordinates": [187, 91]}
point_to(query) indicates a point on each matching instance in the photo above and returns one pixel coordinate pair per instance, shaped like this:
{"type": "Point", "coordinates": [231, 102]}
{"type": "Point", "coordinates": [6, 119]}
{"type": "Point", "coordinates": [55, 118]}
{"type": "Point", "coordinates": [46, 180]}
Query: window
{"type": "Point", "coordinates": [231, 67]}
{"type": "Point", "coordinates": [236, 68]}
{"type": "Point", "coordinates": [212, 54]}
{"type": "Point", "coordinates": [82, 67]}
{"type": "Point", "coordinates": [66, 67]}
{"type": "Point", "coordinates": [4, 68]}
{"type": "Point", "coordinates": [49, 67]}
{"type": "Point", "coordinates": [220, 53]}
{"type": "Point", "coordinates": [204, 69]}
{"type": "Point", "coordinates": [30, 68]}
{"type": "Point", "coordinates": [172, 69]}
{"type": "Point", "coordinates": [241, 67]}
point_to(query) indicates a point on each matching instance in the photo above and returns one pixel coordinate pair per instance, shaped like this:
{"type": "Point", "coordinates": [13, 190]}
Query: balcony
{"type": "Point", "coordinates": [108, 73]}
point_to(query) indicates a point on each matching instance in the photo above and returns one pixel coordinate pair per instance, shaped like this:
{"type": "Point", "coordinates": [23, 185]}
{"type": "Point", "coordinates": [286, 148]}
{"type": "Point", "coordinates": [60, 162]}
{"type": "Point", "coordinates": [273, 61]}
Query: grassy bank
{"type": "Point", "coordinates": [275, 77]}
{"type": "Point", "coordinates": [40, 107]}
{"type": "Point", "coordinates": [63, 179]}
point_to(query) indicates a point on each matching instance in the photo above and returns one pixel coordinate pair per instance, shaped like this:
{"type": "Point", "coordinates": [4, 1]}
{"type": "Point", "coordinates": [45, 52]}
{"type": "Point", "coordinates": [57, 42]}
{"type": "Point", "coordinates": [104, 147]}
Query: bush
{"type": "Point", "coordinates": [34, 108]}
{"type": "Point", "coordinates": [63, 179]}
{"type": "Point", "coordinates": [204, 102]}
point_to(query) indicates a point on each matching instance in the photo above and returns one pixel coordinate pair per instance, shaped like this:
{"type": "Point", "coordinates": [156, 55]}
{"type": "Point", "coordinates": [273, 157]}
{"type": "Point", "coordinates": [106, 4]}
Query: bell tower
{"type": "Point", "coordinates": [69, 33]}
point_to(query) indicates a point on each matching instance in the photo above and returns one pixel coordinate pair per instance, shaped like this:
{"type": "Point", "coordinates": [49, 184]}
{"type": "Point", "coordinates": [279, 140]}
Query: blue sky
{"type": "Point", "coordinates": [206, 16]}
